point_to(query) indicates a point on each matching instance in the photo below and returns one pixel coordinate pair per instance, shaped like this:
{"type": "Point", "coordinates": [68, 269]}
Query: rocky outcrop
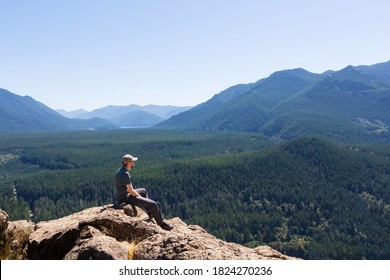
{"type": "Point", "coordinates": [14, 237]}
{"type": "Point", "coordinates": [108, 233]}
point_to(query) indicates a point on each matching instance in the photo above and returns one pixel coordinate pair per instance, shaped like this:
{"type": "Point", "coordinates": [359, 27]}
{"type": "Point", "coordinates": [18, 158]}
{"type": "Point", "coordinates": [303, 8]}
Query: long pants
{"type": "Point", "coordinates": [144, 202]}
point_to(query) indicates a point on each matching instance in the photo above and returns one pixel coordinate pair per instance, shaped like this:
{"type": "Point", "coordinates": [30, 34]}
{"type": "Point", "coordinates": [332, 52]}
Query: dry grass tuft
{"type": "Point", "coordinates": [131, 251]}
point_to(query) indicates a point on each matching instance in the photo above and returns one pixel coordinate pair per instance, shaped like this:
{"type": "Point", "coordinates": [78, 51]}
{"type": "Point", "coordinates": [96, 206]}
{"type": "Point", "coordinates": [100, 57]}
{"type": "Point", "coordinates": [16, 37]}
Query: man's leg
{"type": "Point", "coordinates": [142, 192]}
{"type": "Point", "coordinates": [149, 205]}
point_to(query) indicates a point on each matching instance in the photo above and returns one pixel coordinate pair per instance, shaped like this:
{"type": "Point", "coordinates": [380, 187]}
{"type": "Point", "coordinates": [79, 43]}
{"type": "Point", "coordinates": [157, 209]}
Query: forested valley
{"type": "Point", "coordinates": [308, 197]}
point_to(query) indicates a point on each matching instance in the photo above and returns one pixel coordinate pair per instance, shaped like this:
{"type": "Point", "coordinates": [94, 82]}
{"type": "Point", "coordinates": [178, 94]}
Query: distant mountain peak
{"type": "Point", "coordinates": [350, 69]}
{"type": "Point", "coordinates": [355, 74]}
{"type": "Point", "coordinates": [72, 114]}
{"type": "Point", "coordinates": [293, 71]}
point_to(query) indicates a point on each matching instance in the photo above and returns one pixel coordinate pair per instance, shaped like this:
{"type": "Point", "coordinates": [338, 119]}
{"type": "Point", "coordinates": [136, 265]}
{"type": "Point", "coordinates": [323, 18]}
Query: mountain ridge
{"type": "Point", "coordinates": [25, 114]}
{"type": "Point", "coordinates": [296, 102]}
{"type": "Point", "coordinates": [131, 115]}
{"type": "Point", "coordinates": [287, 104]}
{"type": "Point", "coordinates": [19, 114]}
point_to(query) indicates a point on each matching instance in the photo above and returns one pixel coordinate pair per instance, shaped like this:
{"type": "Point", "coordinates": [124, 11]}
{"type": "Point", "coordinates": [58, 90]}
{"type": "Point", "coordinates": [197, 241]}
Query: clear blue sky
{"type": "Point", "coordinates": [87, 54]}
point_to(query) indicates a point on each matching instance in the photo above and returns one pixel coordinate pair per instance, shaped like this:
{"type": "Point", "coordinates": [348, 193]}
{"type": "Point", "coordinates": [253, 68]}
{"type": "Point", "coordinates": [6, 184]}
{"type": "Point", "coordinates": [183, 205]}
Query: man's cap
{"type": "Point", "coordinates": [128, 158]}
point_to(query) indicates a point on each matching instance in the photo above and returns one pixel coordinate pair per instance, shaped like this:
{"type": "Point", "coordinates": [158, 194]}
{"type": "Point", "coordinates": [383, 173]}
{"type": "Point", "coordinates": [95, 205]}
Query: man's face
{"type": "Point", "coordinates": [130, 165]}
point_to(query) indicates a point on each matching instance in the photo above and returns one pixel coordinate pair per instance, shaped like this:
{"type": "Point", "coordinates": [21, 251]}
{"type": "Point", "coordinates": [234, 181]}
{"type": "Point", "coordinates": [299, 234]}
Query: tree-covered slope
{"type": "Point", "coordinates": [307, 198]}
{"type": "Point", "coordinates": [344, 105]}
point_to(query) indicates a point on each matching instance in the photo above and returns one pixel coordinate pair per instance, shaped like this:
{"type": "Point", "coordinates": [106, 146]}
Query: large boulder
{"type": "Point", "coordinates": [93, 244]}
{"type": "Point", "coordinates": [3, 222]}
{"type": "Point", "coordinates": [14, 238]}
{"type": "Point", "coordinates": [191, 242]}
{"type": "Point", "coordinates": [117, 234]}
{"type": "Point", "coordinates": [3, 227]}
{"type": "Point", "coordinates": [89, 234]}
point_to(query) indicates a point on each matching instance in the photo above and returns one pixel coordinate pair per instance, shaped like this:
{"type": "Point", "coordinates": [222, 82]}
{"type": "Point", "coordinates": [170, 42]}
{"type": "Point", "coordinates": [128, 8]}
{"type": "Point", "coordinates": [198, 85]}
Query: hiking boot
{"type": "Point", "coordinates": [166, 226]}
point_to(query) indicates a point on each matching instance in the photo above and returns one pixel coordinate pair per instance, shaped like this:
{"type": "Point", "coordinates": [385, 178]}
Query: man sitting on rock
{"type": "Point", "coordinates": [125, 193]}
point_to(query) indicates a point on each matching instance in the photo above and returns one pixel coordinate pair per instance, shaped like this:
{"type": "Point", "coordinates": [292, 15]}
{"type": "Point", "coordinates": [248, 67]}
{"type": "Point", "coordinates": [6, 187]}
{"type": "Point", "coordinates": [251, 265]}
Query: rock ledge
{"type": "Point", "coordinates": [116, 234]}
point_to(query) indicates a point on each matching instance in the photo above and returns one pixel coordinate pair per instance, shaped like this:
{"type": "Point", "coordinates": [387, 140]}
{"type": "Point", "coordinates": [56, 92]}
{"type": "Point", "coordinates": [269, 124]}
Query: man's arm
{"type": "Point", "coordinates": [131, 191]}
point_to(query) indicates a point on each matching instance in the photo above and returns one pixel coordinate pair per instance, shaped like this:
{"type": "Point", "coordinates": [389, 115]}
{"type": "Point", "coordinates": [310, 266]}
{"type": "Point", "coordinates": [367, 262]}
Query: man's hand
{"type": "Point", "coordinates": [131, 190]}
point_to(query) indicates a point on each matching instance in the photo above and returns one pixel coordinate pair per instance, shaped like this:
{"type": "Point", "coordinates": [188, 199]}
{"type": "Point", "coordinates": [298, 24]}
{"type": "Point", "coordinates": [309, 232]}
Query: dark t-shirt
{"type": "Point", "coordinates": [122, 178]}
